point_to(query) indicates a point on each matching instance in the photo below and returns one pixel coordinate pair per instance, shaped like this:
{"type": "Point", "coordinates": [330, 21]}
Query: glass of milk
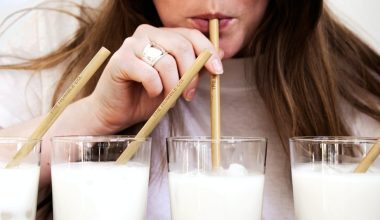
{"type": "Point", "coordinates": [89, 185]}
{"type": "Point", "coordinates": [232, 191]}
{"type": "Point", "coordinates": [325, 185]}
{"type": "Point", "coordinates": [19, 184]}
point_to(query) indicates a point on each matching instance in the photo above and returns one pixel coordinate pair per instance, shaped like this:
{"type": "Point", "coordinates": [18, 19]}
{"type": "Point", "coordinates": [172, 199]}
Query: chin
{"type": "Point", "coordinates": [231, 47]}
{"type": "Point", "coordinates": [228, 52]}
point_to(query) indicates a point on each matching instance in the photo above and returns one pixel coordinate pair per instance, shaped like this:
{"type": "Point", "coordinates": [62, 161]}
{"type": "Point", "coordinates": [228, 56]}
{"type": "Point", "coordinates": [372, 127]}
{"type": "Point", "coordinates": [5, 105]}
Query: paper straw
{"type": "Point", "coordinates": [61, 104]}
{"type": "Point", "coordinates": [215, 100]}
{"type": "Point", "coordinates": [164, 107]}
{"type": "Point", "coordinates": [368, 159]}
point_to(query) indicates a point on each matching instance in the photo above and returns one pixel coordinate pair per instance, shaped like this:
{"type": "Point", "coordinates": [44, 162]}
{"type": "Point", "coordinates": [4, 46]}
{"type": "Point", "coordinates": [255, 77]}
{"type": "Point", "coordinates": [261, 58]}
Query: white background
{"type": "Point", "coordinates": [363, 16]}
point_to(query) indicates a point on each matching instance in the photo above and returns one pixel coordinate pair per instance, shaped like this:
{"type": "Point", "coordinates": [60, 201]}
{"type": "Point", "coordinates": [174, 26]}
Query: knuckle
{"type": "Point", "coordinates": [117, 58]}
{"type": "Point", "coordinates": [168, 62]}
{"type": "Point", "coordinates": [128, 42]}
{"type": "Point", "coordinates": [194, 33]}
{"type": "Point", "coordinates": [119, 64]}
{"type": "Point", "coordinates": [182, 45]}
{"type": "Point", "coordinates": [150, 77]}
{"type": "Point", "coordinates": [142, 28]}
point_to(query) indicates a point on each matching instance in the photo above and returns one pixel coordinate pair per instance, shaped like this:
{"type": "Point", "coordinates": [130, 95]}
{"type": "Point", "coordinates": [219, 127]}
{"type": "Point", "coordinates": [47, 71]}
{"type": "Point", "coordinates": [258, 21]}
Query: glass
{"type": "Point", "coordinates": [234, 191]}
{"type": "Point", "coordinates": [19, 184]}
{"type": "Point", "coordinates": [89, 185]}
{"type": "Point", "coordinates": [324, 183]}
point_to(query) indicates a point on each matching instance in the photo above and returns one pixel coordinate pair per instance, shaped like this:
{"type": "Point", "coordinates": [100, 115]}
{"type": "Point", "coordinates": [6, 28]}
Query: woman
{"type": "Point", "coordinates": [296, 71]}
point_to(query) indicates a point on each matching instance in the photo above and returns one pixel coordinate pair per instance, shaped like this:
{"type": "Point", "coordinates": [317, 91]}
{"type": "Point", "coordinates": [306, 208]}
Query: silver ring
{"type": "Point", "coordinates": [152, 53]}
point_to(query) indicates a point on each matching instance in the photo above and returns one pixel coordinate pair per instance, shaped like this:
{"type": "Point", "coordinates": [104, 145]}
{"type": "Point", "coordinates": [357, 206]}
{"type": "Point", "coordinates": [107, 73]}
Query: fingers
{"type": "Point", "coordinates": [189, 92]}
{"type": "Point", "coordinates": [200, 43]}
{"type": "Point", "coordinates": [182, 46]}
{"type": "Point", "coordinates": [175, 44]}
{"type": "Point", "coordinates": [168, 71]}
{"type": "Point", "coordinates": [130, 68]}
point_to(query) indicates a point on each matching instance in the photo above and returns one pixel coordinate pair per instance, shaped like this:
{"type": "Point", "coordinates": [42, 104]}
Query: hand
{"type": "Point", "coordinates": [129, 89]}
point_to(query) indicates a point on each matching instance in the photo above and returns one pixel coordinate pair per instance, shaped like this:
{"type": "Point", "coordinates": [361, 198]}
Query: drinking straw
{"type": "Point", "coordinates": [215, 100]}
{"type": "Point", "coordinates": [368, 159]}
{"type": "Point", "coordinates": [61, 104]}
{"type": "Point", "coordinates": [164, 107]}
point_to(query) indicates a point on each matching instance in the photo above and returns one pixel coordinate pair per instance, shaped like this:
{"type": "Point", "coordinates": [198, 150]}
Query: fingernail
{"type": "Point", "coordinates": [190, 95]}
{"type": "Point", "coordinates": [217, 65]}
{"type": "Point", "coordinates": [221, 53]}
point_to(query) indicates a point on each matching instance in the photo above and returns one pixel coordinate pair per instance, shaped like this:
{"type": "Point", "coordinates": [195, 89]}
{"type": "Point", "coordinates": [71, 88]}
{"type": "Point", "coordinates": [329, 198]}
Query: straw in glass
{"type": "Point", "coordinates": [215, 100]}
{"type": "Point", "coordinates": [368, 159]}
{"type": "Point", "coordinates": [164, 107]}
{"type": "Point", "coordinates": [61, 104]}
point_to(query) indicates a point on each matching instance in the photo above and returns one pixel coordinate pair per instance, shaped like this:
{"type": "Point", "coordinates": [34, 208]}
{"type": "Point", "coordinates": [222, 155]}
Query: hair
{"type": "Point", "coordinates": [305, 61]}
{"type": "Point", "coordinates": [308, 62]}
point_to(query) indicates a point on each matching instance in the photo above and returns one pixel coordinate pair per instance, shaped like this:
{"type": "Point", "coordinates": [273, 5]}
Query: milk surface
{"type": "Point", "coordinates": [18, 191]}
{"type": "Point", "coordinates": [234, 194]}
{"type": "Point", "coordinates": [324, 192]}
{"type": "Point", "coordinates": [99, 190]}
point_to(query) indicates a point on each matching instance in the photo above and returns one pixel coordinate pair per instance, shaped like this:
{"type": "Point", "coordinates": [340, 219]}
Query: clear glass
{"type": "Point", "coordinates": [89, 185]}
{"type": "Point", "coordinates": [324, 183]}
{"type": "Point", "coordinates": [19, 185]}
{"type": "Point", "coordinates": [234, 191]}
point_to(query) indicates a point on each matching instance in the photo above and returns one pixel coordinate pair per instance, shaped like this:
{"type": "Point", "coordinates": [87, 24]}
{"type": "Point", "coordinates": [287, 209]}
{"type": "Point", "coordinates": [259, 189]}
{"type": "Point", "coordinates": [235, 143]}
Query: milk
{"type": "Point", "coordinates": [335, 193]}
{"type": "Point", "coordinates": [231, 194]}
{"type": "Point", "coordinates": [99, 190]}
{"type": "Point", "coordinates": [18, 191]}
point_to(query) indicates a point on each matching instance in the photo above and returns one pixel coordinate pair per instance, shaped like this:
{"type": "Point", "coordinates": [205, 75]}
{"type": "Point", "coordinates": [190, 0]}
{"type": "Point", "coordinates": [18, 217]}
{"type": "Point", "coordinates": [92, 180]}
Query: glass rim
{"type": "Point", "coordinates": [335, 139]}
{"type": "Point", "coordinates": [222, 139]}
{"type": "Point", "coordinates": [97, 138]}
{"type": "Point", "coordinates": [13, 140]}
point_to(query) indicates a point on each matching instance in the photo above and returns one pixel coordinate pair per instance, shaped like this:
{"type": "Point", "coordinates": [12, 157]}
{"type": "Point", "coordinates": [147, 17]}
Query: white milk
{"type": "Point", "coordinates": [234, 194]}
{"type": "Point", "coordinates": [322, 192]}
{"type": "Point", "coordinates": [18, 191]}
{"type": "Point", "coordinates": [99, 190]}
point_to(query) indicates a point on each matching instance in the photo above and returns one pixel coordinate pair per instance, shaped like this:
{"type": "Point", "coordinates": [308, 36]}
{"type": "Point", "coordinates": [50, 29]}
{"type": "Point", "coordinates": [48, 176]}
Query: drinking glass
{"type": "Point", "coordinates": [325, 185]}
{"type": "Point", "coordinates": [234, 190]}
{"type": "Point", "coordinates": [19, 184]}
{"type": "Point", "coordinates": [88, 184]}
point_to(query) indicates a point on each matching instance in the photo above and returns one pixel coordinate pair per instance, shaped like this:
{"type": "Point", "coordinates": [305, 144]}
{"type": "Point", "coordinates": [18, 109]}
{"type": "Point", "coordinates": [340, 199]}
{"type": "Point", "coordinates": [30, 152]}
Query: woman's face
{"type": "Point", "coordinates": [238, 19]}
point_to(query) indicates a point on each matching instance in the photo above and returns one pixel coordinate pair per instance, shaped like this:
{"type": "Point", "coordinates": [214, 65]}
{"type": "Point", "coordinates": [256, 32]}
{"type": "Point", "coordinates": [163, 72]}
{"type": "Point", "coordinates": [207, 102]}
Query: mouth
{"type": "Point", "coordinates": [201, 22]}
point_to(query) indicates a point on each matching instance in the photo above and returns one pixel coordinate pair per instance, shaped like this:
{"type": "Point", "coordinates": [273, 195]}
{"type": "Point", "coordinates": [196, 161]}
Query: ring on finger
{"type": "Point", "coordinates": [152, 53]}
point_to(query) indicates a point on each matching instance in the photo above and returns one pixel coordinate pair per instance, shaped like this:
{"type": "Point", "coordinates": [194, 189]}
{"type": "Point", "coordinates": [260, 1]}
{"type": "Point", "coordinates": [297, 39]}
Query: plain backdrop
{"type": "Point", "coordinates": [362, 16]}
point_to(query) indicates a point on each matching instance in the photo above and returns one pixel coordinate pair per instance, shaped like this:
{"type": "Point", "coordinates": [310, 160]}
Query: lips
{"type": "Point", "coordinates": [201, 22]}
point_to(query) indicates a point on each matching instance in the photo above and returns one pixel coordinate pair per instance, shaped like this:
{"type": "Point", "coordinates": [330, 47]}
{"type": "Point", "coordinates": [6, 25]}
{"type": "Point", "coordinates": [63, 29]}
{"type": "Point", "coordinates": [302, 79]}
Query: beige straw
{"type": "Point", "coordinates": [164, 107]}
{"type": "Point", "coordinates": [215, 100]}
{"type": "Point", "coordinates": [61, 104]}
{"type": "Point", "coordinates": [369, 159]}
